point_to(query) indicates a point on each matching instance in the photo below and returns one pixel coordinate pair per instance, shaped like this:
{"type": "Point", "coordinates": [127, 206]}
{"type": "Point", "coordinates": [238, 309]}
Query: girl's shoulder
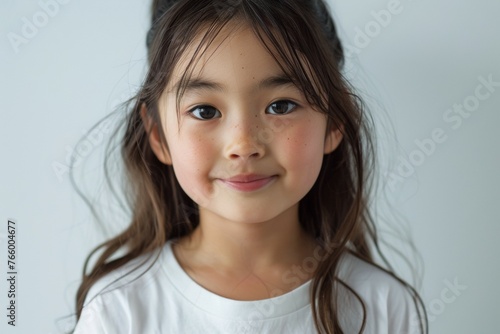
{"type": "Point", "coordinates": [388, 302]}
{"type": "Point", "coordinates": [121, 297]}
{"type": "Point", "coordinates": [130, 276]}
{"type": "Point", "coordinates": [358, 271]}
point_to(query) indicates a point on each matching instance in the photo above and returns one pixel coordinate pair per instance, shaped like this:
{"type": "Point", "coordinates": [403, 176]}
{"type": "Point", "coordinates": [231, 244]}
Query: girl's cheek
{"type": "Point", "coordinates": [302, 149]}
{"type": "Point", "coordinates": [193, 165]}
{"type": "Point", "coordinates": [303, 142]}
{"type": "Point", "coordinates": [194, 151]}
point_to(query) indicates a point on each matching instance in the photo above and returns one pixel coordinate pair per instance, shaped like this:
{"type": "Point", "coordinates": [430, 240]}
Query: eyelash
{"type": "Point", "coordinates": [191, 111]}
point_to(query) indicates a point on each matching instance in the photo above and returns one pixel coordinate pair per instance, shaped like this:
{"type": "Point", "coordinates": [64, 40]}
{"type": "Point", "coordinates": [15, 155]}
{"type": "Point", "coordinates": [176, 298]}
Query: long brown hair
{"type": "Point", "coordinates": [335, 211]}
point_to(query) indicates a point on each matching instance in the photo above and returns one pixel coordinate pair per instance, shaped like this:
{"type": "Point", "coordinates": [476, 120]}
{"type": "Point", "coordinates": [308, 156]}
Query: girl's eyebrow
{"type": "Point", "coordinates": [200, 83]}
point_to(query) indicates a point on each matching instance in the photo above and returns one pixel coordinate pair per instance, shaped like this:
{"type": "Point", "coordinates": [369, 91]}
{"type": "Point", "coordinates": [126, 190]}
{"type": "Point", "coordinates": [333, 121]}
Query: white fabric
{"type": "Point", "coordinates": [166, 300]}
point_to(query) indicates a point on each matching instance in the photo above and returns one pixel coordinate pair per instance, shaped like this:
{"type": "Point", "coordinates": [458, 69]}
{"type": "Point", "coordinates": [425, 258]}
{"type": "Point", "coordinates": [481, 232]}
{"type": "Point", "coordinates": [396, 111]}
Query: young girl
{"type": "Point", "coordinates": [248, 158]}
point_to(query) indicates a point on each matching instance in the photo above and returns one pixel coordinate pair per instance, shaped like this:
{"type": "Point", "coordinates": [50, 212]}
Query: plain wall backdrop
{"type": "Point", "coordinates": [429, 72]}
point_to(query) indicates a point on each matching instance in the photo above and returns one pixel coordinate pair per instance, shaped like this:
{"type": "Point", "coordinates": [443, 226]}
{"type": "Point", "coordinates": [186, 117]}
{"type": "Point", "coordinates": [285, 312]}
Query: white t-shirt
{"type": "Point", "coordinates": [166, 300]}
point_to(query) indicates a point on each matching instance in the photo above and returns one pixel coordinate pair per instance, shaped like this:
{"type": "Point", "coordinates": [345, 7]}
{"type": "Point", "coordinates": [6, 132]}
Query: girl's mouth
{"type": "Point", "coordinates": [237, 183]}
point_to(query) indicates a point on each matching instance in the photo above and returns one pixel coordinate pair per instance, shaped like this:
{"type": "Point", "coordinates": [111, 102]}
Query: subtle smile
{"type": "Point", "coordinates": [248, 184]}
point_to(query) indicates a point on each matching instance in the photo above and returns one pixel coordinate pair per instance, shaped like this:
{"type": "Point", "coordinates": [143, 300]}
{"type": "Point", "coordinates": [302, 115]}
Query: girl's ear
{"type": "Point", "coordinates": [333, 139]}
{"type": "Point", "coordinates": [154, 137]}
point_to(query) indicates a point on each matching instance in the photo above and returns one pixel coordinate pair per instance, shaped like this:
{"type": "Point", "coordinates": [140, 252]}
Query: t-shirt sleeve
{"type": "Point", "coordinates": [91, 321]}
{"type": "Point", "coordinates": [389, 305]}
{"type": "Point", "coordinates": [403, 316]}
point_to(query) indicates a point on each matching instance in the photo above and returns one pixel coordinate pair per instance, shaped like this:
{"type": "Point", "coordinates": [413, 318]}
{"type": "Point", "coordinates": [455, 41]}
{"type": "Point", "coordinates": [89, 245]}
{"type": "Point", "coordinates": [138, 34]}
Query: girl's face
{"type": "Point", "coordinates": [239, 117]}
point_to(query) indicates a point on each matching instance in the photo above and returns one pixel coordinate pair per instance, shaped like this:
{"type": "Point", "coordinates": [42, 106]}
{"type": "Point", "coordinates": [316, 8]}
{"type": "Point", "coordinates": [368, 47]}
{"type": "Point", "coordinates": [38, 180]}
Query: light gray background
{"type": "Point", "coordinates": [88, 56]}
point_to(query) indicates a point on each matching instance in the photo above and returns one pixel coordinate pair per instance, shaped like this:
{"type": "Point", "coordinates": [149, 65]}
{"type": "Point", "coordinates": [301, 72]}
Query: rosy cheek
{"type": "Point", "coordinates": [302, 147]}
{"type": "Point", "coordinates": [193, 158]}
{"type": "Point", "coordinates": [303, 142]}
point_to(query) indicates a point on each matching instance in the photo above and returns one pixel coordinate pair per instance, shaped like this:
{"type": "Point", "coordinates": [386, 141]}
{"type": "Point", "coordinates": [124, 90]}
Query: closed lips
{"type": "Point", "coordinates": [247, 178]}
{"type": "Point", "coordinates": [248, 184]}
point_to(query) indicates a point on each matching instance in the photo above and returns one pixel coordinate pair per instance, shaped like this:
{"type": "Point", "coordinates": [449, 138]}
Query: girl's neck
{"type": "Point", "coordinates": [277, 245]}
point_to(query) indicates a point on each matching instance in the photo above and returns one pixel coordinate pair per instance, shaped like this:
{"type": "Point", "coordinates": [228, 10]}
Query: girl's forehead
{"type": "Point", "coordinates": [235, 43]}
{"type": "Point", "coordinates": [235, 57]}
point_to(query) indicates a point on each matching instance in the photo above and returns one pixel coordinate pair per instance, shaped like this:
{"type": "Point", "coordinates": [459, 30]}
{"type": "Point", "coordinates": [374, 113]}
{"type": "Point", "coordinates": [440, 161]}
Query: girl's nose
{"type": "Point", "coordinates": [244, 140]}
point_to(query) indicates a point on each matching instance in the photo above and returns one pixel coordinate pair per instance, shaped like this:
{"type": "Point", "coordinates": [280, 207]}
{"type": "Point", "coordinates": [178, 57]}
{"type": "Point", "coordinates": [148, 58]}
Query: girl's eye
{"type": "Point", "coordinates": [281, 107]}
{"type": "Point", "coordinates": [204, 112]}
